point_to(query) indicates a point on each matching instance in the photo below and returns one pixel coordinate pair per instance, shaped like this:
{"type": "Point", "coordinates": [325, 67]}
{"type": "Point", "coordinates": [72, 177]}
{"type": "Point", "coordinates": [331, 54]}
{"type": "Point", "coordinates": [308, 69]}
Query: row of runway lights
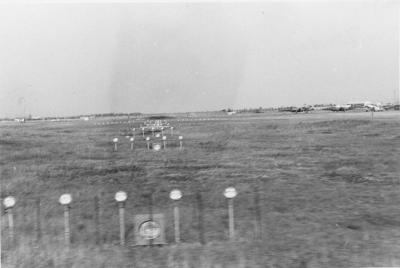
{"type": "Point", "coordinates": [121, 196]}
{"type": "Point", "coordinates": [178, 120]}
{"type": "Point", "coordinates": [156, 146]}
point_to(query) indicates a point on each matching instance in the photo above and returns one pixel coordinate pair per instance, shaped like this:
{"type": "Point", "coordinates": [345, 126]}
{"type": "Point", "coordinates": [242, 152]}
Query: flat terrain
{"type": "Point", "coordinates": [328, 184]}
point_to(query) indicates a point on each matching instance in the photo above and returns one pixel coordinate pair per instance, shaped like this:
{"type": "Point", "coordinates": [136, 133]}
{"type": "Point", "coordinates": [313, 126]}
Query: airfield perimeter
{"type": "Point", "coordinates": [329, 188]}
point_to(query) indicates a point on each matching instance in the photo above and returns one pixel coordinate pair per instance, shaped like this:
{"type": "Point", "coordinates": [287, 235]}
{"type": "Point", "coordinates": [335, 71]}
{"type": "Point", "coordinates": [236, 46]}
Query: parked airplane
{"type": "Point", "coordinates": [340, 108]}
{"type": "Point", "coordinates": [373, 107]}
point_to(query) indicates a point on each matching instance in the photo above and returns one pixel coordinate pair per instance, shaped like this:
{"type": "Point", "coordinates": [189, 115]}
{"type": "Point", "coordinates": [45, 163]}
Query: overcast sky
{"type": "Point", "coordinates": [66, 59]}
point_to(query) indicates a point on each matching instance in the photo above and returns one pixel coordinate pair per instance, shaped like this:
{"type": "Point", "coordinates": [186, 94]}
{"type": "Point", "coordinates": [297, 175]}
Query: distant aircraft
{"type": "Point", "coordinates": [373, 107]}
{"type": "Point", "coordinates": [294, 109]}
{"type": "Point", "coordinates": [340, 108]}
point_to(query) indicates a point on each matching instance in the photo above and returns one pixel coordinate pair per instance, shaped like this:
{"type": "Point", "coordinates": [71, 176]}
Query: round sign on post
{"type": "Point", "coordinates": [148, 143]}
{"type": "Point", "coordinates": [180, 142]}
{"type": "Point", "coordinates": [230, 192]}
{"type": "Point", "coordinates": [65, 199]}
{"type": "Point", "coordinates": [132, 140]}
{"type": "Point", "coordinates": [115, 140]}
{"type": "Point", "coordinates": [175, 194]}
{"type": "Point", "coordinates": [9, 201]}
{"type": "Point", "coordinates": [120, 196]}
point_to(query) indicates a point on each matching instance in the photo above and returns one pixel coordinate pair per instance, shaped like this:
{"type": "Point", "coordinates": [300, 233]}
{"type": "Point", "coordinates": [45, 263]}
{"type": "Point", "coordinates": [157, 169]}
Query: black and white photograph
{"type": "Point", "coordinates": [200, 134]}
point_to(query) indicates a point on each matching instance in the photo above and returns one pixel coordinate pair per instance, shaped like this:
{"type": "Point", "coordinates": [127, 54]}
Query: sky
{"type": "Point", "coordinates": [77, 58]}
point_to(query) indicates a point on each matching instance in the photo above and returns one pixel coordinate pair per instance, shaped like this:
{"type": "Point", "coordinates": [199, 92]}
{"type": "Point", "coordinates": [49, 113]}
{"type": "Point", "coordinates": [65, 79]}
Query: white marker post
{"type": "Point", "coordinates": [9, 203]}
{"type": "Point", "coordinates": [162, 131]}
{"type": "Point", "coordinates": [180, 142]}
{"type": "Point", "coordinates": [230, 193]}
{"type": "Point", "coordinates": [120, 197]}
{"type": "Point", "coordinates": [65, 200]}
{"type": "Point", "coordinates": [176, 195]}
{"type": "Point", "coordinates": [172, 131]}
{"type": "Point", "coordinates": [164, 138]}
{"type": "Point", "coordinates": [115, 140]}
{"type": "Point", "coordinates": [143, 131]}
{"type": "Point", "coordinates": [148, 143]}
{"type": "Point", "coordinates": [132, 140]}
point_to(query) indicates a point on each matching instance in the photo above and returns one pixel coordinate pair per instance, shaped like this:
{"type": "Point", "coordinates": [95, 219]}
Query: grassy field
{"type": "Point", "coordinates": [329, 187]}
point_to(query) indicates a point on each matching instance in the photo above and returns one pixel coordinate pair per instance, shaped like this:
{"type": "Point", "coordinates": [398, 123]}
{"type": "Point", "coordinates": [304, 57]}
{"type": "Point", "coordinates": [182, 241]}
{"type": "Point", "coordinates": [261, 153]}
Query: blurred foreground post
{"type": "Point", "coordinates": [97, 219]}
{"type": "Point", "coordinates": [164, 138]}
{"type": "Point", "coordinates": [120, 197]}
{"type": "Point", "coordinates": [200, 217]}
{"type": "Point", "coordinates": [258, 220]}
{"type": "Point", "coordinates": [37, 222]}
{"type": "Point", "coordinates": [150, 208]}
{"type": "Point", "coordinates": [10, 225]}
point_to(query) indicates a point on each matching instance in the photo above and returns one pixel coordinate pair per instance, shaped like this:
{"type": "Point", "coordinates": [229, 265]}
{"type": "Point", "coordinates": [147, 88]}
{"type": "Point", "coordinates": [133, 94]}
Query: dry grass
{"type": "Point", "coordinates": [329, 187]}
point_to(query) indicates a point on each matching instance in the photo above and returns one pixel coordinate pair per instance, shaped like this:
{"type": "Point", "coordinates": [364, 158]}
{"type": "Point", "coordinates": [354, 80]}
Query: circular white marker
{"type": "Point", "coordinates": [164, 138]}
{"type": "Point", "coordinates": [230, 192]}
{"type": "Point", "coordinates": [9, 201]}
{"type": "Point", "coordinates": [175, 194]}
{"type": "Point", "coordinates": [120, 196]}
{"type": "Point", "coordinates": [115, 140]}
{"type": "Point", "coordinates": [180, 137]}
{"type": "Point", "coordinates": [147, 138]}
{"type": "Point", "coordinates": [65, 199]}
{"type": "Point", "coordinates": [132, 139]}
{"type": "Point", "coordinates": [157, 135]}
